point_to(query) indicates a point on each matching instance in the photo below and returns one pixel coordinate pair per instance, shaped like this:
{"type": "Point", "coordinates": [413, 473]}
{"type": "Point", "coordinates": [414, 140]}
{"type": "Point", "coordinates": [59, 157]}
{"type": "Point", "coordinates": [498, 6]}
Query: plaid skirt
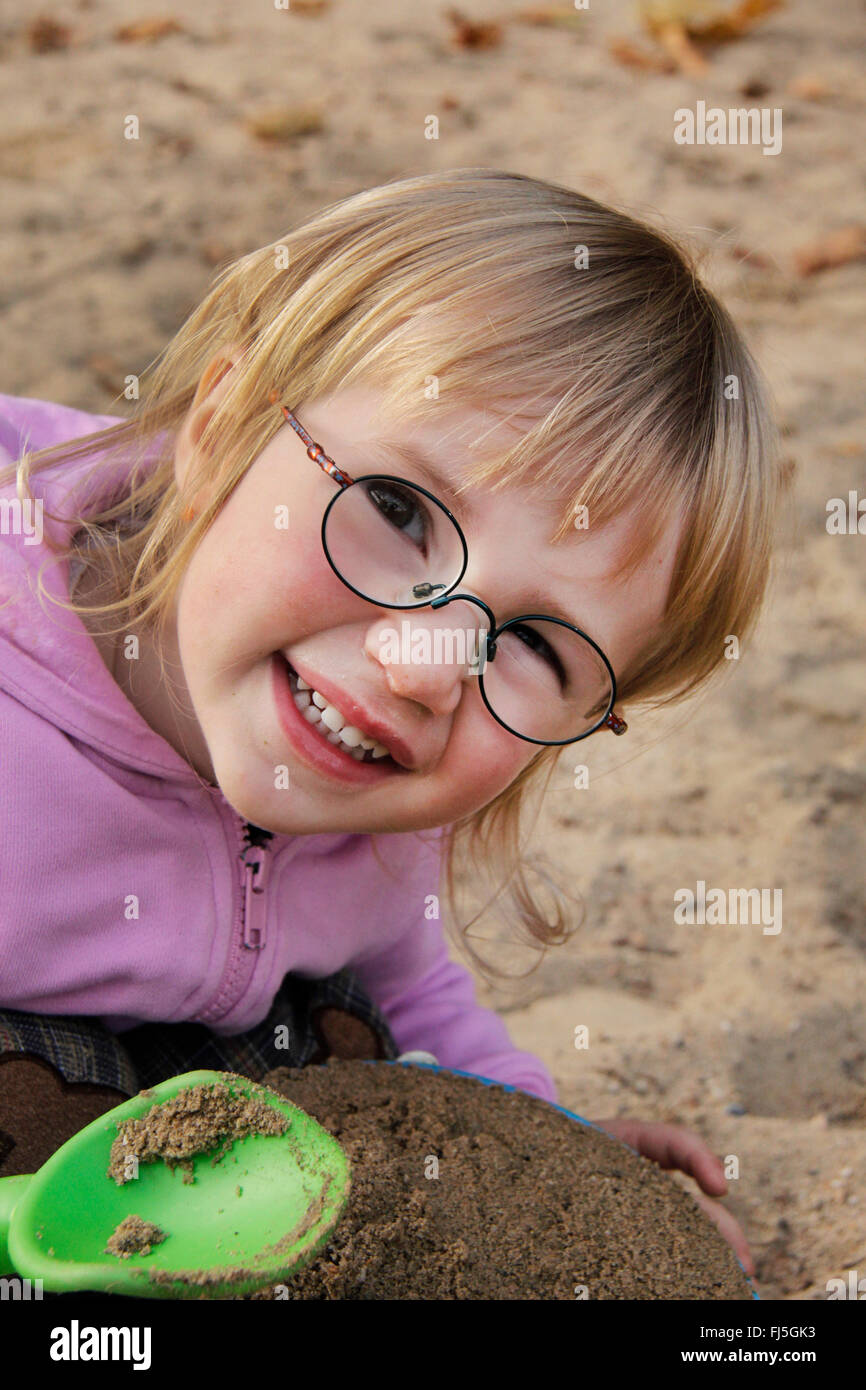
{"type": "Point", "coordinates": [306, 1024]}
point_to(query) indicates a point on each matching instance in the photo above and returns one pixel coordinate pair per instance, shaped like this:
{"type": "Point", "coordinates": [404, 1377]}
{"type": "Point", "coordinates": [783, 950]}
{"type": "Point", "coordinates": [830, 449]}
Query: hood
{"type": "Point", "coordinates": [48, 660]}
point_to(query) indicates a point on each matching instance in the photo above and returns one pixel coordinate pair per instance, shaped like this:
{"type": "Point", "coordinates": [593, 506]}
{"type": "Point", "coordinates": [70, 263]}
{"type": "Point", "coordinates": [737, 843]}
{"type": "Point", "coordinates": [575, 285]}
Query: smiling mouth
{"type": "Point", "coordinates": [332, 725]}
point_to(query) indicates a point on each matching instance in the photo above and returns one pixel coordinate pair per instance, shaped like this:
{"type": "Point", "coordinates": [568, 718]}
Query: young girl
{"type": "Point", "coordinates": [249, 711]}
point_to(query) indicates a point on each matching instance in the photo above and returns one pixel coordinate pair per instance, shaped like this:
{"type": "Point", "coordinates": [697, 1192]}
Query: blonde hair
{"type": "Point", "coordinates": [504, 289]}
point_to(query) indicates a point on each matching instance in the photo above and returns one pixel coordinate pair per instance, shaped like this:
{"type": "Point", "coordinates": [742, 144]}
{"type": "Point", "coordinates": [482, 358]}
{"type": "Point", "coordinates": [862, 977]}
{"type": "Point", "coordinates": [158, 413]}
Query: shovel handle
{"type": "Point", "coordinates": [11, 1192]}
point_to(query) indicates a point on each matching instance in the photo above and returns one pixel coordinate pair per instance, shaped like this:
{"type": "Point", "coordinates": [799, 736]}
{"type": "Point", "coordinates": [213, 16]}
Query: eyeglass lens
{"type": "Point", "coordinates": [398, 547]}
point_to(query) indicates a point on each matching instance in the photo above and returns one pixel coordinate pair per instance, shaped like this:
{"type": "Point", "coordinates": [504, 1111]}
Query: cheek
{"type": "Point", "coordinates": [264, 583]}
{"type": "Point", "coordinates": [300, 595]}
{"type": "Point", "coordinates": [483, 759]}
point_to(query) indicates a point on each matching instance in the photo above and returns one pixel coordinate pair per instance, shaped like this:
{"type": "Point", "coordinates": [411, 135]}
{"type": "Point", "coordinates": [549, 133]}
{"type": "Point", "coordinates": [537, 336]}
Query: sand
{"type": "Point", "coordinates": [756, 1041]}
{"type": "Point", "coordinates": [467, 1191]}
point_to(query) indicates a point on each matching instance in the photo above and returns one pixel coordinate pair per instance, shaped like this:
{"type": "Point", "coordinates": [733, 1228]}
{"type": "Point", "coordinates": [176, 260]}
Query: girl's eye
{"type": "Point", "coordinates": [401, 508]}
{"type": "Point", "coordinates": [542, 648]}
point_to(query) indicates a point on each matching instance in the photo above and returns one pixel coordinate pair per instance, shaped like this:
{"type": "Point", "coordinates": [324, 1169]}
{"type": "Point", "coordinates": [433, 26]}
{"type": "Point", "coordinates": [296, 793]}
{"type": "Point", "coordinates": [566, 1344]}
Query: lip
{"type": "Point", "coordinates": [324, 757]}
{"type": "Point", "coordinates": [362, 719]}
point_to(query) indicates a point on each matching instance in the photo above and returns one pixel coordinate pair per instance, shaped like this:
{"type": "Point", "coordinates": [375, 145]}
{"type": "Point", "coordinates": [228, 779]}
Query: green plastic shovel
{"type": "Point", "coordinates": [253, 1218]}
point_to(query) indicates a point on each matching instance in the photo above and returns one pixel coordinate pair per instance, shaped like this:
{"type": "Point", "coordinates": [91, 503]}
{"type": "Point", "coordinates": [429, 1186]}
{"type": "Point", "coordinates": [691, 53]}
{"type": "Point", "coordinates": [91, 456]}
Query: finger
{"type": "Point", "coordinates": [671, 1146]}
{"type": "Point", "coordinates": [729, 1228]}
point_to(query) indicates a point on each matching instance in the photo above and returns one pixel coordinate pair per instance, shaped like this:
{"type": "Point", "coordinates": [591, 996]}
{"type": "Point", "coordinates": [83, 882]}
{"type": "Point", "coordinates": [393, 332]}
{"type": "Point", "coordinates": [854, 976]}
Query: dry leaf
{"type": "Point", "coordinates": [469, 33]}
{"type": "Point", "coordinates": [738, 21]}
{"type": "Point", "coordinates": [705, 19]}
{"type": "Point", "coordinates": [835, 249]}
{"type": "Point", "coordinates": [676, 42]}
{"type": "Point", "coordinates": [44, 35]}
{"type": "Point", "coordinates": [148, 30]}
{"type": "Point", "coordinates": [654, 13]}
{"type": "Point", "coordinates": [627, 53]}
{"type": "Point", "coordinates": [561, 16]}
{"type": "Point", "coordinates": [285, 122]}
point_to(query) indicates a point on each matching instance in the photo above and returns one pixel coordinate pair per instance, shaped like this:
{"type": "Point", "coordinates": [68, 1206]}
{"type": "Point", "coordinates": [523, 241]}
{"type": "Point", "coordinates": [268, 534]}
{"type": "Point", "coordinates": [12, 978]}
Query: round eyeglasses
{"type": "Point", "coordinates": [396, 545]}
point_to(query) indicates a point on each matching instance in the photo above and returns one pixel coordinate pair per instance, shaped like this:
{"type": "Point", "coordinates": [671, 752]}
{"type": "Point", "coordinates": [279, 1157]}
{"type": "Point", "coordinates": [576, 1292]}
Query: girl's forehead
{"type": "Point", "coordinates": [365, 405]}
{"type": "Point", "coordinates": [486, 428]}
{"type": "Point", "coordinates": [447, 439]}
{"type": "Point", "coordinates": [583, 577]}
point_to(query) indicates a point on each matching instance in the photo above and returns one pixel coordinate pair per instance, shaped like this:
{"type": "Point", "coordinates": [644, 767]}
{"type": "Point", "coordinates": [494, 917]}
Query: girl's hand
{"type": "Point", "coordinates": [671, 1146]}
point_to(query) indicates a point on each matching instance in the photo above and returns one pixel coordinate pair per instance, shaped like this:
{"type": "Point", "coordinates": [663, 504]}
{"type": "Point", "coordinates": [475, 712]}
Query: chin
{"type": "Point", "coordinates": [247, 801]}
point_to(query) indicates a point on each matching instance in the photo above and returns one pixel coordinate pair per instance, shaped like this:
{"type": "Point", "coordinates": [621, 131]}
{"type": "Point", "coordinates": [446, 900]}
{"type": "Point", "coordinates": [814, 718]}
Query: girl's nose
{"type": "Point", "coordinates": [428, 654]}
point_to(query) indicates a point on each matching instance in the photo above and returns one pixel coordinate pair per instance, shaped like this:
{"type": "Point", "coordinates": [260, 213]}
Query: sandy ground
{"type": "Point", "coordinates": [758, 1041]}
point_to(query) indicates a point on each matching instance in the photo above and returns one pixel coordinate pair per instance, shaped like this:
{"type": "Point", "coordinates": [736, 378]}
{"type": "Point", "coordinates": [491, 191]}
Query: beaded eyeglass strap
{"type": "Point", "coordinates": [314, 450]}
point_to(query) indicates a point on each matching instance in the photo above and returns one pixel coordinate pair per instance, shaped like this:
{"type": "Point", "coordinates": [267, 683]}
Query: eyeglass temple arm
{"type": "Point", "coordinates": [314, 450]}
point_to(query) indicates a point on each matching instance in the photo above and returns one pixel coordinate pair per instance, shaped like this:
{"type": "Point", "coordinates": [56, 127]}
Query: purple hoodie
{"type": "Point", "coordinates": [123, 891]}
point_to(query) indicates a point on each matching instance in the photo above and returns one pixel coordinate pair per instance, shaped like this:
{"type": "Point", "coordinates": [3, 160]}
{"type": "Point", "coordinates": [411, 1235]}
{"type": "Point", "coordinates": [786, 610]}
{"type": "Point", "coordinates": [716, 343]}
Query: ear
{"type": "Point", "coordinates": [214, 383]}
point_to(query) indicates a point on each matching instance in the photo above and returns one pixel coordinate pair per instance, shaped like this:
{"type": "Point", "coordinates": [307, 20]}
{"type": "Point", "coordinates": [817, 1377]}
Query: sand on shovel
{"type": "Point", "coordinates": [134, 1236]}
{"type": "Point", "coordinates": [195, 1121]}
{"type": "Point", "coordinates": [468, 1191]}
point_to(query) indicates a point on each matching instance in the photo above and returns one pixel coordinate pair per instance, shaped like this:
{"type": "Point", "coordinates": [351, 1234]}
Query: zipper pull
{"type": "Point", "coordinates": [255, 908]}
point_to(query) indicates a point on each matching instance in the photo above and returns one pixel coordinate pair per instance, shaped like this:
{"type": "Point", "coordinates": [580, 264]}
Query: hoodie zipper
{"type": "Point", "coordinates": [248, 928]}
{"type": "Point", "coordinates": [256, 858]}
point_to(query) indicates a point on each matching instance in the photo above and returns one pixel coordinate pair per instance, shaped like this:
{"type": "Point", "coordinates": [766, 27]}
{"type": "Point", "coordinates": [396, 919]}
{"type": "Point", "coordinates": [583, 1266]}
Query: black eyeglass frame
{"type": "Point", "coordinates": [609, 719]}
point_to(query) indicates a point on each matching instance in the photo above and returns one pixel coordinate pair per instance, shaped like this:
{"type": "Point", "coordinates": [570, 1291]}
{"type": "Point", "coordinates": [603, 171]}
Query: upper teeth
{"type": "Point", "coordinates": [318, 710]}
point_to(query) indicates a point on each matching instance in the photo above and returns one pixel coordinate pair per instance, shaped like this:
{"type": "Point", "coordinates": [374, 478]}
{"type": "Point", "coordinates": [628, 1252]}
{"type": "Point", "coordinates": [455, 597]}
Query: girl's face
{"type": "Point", "coordinates": [256, 595]}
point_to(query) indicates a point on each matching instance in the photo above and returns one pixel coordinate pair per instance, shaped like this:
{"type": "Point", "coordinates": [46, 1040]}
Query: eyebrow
{"type": "Point", "coordinates": [420, 460]}
{"type": "Point", "coordinates": [538, 602]}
